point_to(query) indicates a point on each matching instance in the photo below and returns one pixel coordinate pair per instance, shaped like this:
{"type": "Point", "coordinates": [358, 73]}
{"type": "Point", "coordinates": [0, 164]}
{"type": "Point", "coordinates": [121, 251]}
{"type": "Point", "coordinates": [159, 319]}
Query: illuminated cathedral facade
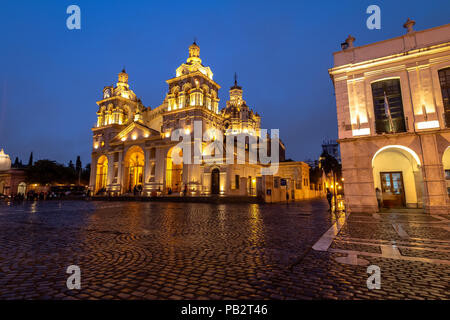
{"type": "Point", "coordinates": [133, 146]}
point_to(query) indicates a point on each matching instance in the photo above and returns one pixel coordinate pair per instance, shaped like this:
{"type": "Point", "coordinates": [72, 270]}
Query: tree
{"type": "Point", "coordinates": [86, 174]}
{"type": "Point", "coordinates": [78, 166]}
{"type": "Point", "coordinates": [30, 161]}
{"type": "Point", "coordinates": [328, 163]}
{"type": "Point", "coordinates": [49, 172]}
{"type": "Point", "coordinates": [315, 174]}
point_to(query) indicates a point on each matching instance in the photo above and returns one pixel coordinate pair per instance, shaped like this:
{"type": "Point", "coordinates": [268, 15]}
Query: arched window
{"type": "Point", "coordinates": [444, 79]}
{"type": "Point", "coordinates": [181, 100]}
{"type": "Point", "coordinates": [100, 120]}
{"type": "Point", "coordinates": [388, 106]}
{"type": "Point", "coordinates": [102, 172]}
{"type": "Point", "coordinates": [196, 99]}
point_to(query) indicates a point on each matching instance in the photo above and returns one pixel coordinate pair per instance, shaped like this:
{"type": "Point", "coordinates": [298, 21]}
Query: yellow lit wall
{"type": "Point", "coordinates": [392, 160]}
{"type": "Point", "coordinates": [446, 163]}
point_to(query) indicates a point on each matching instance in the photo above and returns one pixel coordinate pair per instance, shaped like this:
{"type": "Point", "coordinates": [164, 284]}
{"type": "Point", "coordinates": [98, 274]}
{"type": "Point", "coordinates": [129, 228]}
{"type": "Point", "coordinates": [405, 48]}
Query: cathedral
{"type": "Point", "coordinates": [134, 149]}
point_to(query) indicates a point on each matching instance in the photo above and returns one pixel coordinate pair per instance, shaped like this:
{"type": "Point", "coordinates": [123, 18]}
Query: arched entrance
{"type": "Point", "coordinates": [446, 165]}
{"type": "Point", "coordinates": [398, 175]}
{"type": "Point", "coordinates": [174, 169]}
{"type": "Point", "coordinates": [22, 188]}
{"type": "Point", "coordinates": [215, 181]}
{"type": "Point", "coordinates": [102, 173]}
{"type": "Point", "coordinates": [134, 169]}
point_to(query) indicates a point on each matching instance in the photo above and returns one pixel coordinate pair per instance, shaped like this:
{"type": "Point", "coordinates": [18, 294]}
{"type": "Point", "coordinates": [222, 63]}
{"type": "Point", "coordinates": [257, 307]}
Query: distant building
{"type": "Point", "coordinates": [12, 180]}
{"type": "Point", "coordinates": [132, 145]}
{"type": "Point", "coordinates": [312, 163]}
{"type": "Point", "coordinates": [332, 148]}
{"type": "Point", "coordinates": [393, 110]}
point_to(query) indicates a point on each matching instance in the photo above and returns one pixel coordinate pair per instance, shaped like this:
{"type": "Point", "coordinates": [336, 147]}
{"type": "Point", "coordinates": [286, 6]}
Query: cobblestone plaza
{"type": "Point", "coordinates": [161, 250]}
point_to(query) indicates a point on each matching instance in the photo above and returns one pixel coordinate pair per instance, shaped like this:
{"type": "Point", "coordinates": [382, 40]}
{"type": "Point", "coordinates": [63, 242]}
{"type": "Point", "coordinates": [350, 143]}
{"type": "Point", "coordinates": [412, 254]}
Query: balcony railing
{"type": "Point", "coordinates": [384, 125]}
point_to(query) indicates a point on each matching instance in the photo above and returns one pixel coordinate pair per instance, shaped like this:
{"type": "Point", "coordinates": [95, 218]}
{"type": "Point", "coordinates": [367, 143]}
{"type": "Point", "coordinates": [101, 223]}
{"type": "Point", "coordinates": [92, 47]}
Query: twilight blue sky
{"type": "Point", "coordinates": [51, 77]}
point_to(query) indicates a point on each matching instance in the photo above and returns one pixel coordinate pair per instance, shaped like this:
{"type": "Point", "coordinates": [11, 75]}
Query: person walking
{"type": "Point", "coordinates": [329, 198]}
{"type": "Point", "coordinates": [379, 199]}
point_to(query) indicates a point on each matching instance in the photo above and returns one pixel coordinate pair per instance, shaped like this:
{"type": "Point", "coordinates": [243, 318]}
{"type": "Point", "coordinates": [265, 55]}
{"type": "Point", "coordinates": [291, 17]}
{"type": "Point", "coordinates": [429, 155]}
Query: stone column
{"type": "Point", "coordinates": [164, 166]}
{"type": "Point", "coordinates": [418, 179]}
{"type": "Point", "coordinates": [146, 167]}
{"type": "Point", "coordinates": [435, 195]}
{"type": "Point", "coordinates": [160, 167]}
{"type": "Point", "coordinates": [110, 176]}
{"type": "Point", "coordinates": [206, 183]}
{"type": "Point", "coordinates": [358, 177]}
{"type": "Point", "coordinates": [120, 179]}
{"type": "Point", "coordinates": [224, 181]}
{"type": "Point", "coordinates": [93, 173]}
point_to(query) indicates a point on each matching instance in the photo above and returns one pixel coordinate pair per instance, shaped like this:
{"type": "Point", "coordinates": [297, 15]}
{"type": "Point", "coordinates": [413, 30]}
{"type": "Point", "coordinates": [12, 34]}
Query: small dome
{"type": "Point", "coordinates": [194, 46]}
{"type": "Point", "coordinates": [5, 161]}
{"type": "Point", "coordinates": [194, 53]}
{"type": "Point", "coordinates": [235, 83]}
{"type": "Point", "coordinates": [123, 76]}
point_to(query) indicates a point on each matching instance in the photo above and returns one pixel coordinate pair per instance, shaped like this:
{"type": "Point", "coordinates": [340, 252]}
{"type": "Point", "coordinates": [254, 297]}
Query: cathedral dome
{"type": "Point", "coordinates": [5, 161]}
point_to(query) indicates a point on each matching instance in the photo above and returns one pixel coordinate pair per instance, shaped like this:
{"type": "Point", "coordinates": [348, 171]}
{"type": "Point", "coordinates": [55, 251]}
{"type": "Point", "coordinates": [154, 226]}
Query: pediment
{"type": "Point", "coordinates": [135, 131]}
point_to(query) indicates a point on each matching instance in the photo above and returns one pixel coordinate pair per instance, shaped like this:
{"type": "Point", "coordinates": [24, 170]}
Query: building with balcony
{"type": "Point", "coordinates": [393, 111]}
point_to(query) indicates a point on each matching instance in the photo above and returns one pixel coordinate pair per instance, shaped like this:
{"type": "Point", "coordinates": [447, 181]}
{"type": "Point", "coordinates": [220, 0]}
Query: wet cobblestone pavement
{"type": "Point", "coordinates": [150, 250]}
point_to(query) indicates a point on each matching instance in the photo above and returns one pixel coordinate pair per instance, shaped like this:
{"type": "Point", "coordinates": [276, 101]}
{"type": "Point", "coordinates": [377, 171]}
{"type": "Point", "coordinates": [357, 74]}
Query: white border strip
{"type": "Point", "coordinates": [328, 237]}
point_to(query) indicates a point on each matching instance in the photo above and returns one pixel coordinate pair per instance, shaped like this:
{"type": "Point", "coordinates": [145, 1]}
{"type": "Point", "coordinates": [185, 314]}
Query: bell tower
{"type": "Point", "coordinates": [238, 117]}
{"type": "Point", "coordinates": [192, 96]}
{"type": "Point", "coordinates": [236, 94]}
